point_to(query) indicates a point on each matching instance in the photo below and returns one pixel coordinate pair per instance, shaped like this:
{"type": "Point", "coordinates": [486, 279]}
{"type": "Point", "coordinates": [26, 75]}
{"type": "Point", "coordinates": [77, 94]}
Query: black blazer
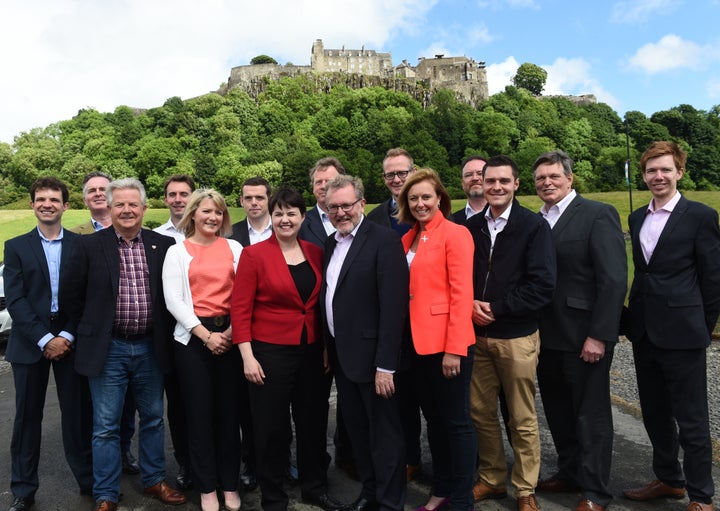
{"type": "Point", "coordinates": [381, 214]}
{"type": "Point", "coordinates": [591, 278]}
{"type": "Point", "coordinates": [240, 233]}
{"type": "Point", "coordinates": [312, 229]}
{"type": "Point", "coordinates": [370, 302]}
{"type": "Point", "coordinates": [459, 217]}
{"type": "Point", "coordinates": [27, 291]}
{"type": "Point", "coordinates": [675, 297]}
{"type": "Point", "coordinates": [90, 288]}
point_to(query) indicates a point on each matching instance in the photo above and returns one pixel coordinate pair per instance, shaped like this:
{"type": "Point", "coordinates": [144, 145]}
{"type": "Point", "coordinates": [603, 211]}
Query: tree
{"type": "Point", "coordinates": [262, 59]}
{"type": "Point", "coordinates": [530, 77]}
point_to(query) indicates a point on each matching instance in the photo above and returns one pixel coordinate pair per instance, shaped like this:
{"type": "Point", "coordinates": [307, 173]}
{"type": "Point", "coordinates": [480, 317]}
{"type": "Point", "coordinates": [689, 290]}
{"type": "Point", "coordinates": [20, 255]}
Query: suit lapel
{"type": "Point", "coordinates": [360, 238]}
{"type": "Point", "coordinates": [109, 244]}
{"type": "Point", "coordinates": [566, 217]}
{"type": "Point", "coordinates": [36, 249]}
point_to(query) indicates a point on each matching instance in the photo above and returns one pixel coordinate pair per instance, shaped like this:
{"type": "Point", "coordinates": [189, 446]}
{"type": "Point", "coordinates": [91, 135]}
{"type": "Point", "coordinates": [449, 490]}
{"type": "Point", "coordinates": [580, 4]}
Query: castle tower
{"type": "Point", "coordinates": [317, 56]}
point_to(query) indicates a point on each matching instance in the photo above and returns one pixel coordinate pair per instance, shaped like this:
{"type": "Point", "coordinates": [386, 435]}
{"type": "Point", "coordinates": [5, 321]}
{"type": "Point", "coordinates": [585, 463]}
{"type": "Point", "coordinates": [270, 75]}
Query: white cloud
{"type": "Point", "coordinates": [500, 75]}
{"type": "Point", "coordinates": [639, 11]}
{"type": "Point", "coordinates": [574, 77]}
{"type": "Point", "coordinates": [671, 52]}
{"type": "Point", "coordinates": [59, 57]}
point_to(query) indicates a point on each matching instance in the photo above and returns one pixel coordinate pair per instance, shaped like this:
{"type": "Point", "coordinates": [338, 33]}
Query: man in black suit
{"type": "Point", "coordinates": [255, 193]}
{"type": "Point", "coordinates": [673, 307]}
{"type": "Point", "coordinates": [397, 166]}
{"type": "Point", "coordinates": [117, 312]}
{"type": "Point", "coordinates": [365, 304]}
{"type": "Point", "coordinates": [472, 184]}
{"type": "Point", "coordinates": [34, 263]}
{"type": "Point", "coordinates": [578, 332]}
{"type": "Point", "coordinates": [317, 225]}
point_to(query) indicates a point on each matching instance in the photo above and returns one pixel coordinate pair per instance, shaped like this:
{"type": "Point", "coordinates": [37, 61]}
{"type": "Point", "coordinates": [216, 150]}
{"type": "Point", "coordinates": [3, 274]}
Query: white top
{"type": "Point", "coordinates": [176, 286]}
{"type": "Point", "coordinates": [258, 236]}
{"type": "Point", "coordinates": [168, 229]}
{"type": "Point", "coordinates": [552, 214]}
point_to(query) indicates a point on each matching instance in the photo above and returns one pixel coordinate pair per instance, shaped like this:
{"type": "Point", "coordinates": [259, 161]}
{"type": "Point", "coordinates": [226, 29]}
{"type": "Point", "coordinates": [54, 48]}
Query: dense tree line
{"type": "Point", "coordinates": [221, 140]}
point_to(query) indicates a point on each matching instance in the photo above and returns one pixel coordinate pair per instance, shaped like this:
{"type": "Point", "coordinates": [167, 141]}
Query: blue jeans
{"type": "Point", "coordinates": [133, 364]}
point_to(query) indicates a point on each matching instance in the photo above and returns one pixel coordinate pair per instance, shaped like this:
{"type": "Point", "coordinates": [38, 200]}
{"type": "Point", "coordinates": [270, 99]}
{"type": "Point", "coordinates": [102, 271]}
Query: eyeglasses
{"type": "Point", "coordinates": [333, 209]}
{"type": "Point", "coordinates": [402, 174]}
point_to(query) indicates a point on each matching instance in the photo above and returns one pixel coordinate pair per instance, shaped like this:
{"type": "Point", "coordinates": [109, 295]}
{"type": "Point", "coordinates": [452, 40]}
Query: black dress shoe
{"type": "Point", "coordinates": [361, 504]}
{"type": "Point", "coordinates": [184, 479]}
{"type": "Point", "coordinates": [22, 503]}
{"type": "Point", "coordinates": [129, 464]}
{"type": "Point", "coordinates": [324, 501]}
{"type": "Point", "coordinates": [248, 481]}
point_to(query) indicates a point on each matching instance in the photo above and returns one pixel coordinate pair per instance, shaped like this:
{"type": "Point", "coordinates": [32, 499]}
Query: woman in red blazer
{"type": "Point", "coordinates": [275, 316]}
{"type": "Point", "coordinates": [440, 255]}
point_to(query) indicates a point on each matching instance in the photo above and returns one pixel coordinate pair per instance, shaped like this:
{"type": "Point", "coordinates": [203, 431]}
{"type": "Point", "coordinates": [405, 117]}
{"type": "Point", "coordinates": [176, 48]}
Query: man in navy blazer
{"type": "Point", "coordinates": [317, 225]}
{"type": "Point", "coordinates": [117, 312]}
{"type": "Point", "coordinates": [34, 263]}
{"type": "Point", "coordinates": [673, 307]}
{"type": "Point", "coordinates": [396, 167]}
{"type": "Point", "coordinates": [365, 301]}
{"type": "Point", "coordinates": [578, 332]}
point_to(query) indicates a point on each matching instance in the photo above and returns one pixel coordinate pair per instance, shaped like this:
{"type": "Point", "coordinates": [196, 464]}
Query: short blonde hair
{"type": "Point", "coordinates": [425, 174]}
{"type": "Point", "coordinates": [188, 226]}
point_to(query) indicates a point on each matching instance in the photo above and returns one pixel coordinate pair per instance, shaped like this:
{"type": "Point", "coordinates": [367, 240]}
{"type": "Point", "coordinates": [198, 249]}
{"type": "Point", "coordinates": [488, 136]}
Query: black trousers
{"type": "Point", "coordinates": [294, 379]}
{"type": "Point", "coordinates": [31, 382]}
{"type": "Point", "coordinates": [211, 389]}
{"type": "Point", "coordinates": [673, 396]}
{"type": "Point", "coordinates": [576, 399]}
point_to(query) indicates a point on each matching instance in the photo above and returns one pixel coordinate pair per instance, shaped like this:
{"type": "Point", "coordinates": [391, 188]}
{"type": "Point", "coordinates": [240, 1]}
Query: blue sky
{"type": "Point", "coordinates": [59, 57]}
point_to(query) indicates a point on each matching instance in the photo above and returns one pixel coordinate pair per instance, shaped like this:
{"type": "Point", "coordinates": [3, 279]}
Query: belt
{"type": "Point", "coordinates": [130, 337]}
{"type": "Point", "coordinates": [218, 321]}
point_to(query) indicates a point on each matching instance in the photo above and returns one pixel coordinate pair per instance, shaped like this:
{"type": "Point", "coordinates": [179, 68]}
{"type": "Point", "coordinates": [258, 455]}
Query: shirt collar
{"type": "Point", "coordinates": [669, 206]}
{"type": "Point", "coordinates": [263, 230]}
{"type": "Point", "coordinates": [340, 238]}
{"type": "Point", "coordinates": [45, 238]}
{"type": "Point", "coordinates": [561, 205]}
{"type": "Point", "coordinates": [504, 215]}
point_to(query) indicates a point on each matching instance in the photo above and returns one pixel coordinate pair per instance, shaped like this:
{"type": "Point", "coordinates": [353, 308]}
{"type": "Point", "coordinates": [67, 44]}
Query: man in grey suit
{"type": "Point", "coordinates": [34, 263]}
{"type": "Point", "coordinates": [673, 307]}
{"type": "Point", "coordinates": [578, 332]}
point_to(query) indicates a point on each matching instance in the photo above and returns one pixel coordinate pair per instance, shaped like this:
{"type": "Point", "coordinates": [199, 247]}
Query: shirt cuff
{"type": "Point", "coordinates": [45, 339]}
{"type": "Point", "coordinates": [381, 370]}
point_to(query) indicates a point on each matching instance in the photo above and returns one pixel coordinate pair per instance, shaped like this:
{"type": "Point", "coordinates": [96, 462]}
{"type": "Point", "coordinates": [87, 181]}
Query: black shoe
{"type": "Point", "coordinates": [184, 479]}
{"type": "Point", "coordinates": [129, 464]}
{"type": "Point", "coordinates": [361, 504]}
{"type": "Point", "coordinates": [324, 501]}
{"type": "Point", "coordinates": [248, 481]}
{"type": "Point", "coordinates": [22, 503]}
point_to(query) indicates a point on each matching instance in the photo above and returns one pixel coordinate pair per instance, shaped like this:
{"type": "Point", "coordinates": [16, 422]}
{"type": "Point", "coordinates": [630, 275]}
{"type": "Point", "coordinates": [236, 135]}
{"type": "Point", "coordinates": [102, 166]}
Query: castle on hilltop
{"type": "Point", "coordinates": [366, 68]}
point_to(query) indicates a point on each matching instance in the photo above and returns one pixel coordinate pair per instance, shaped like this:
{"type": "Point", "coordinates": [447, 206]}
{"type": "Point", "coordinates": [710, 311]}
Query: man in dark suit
{"type": "Point", "coordinates": [34, 263]}
{"type": "Point", "coordinates": [365, 304]}
{"type": "Point", "coordinates": [117, 311]}
{"type": "Point", "coordinates": [255, 194]}
{"type": "Point", "coordinates": [673, 307]}
{"type": "Point", "coordinates": [317, 225]}
{"type": "Point", "coordinates": [397, 166]}
{"type": "Point", "coordinates": [578, 332]}
{"type": "Point", "coordinates": [472, 184]}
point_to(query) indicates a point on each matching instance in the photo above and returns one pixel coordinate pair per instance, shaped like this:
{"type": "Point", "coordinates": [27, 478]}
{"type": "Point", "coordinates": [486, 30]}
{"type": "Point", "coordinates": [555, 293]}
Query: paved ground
{"type": "Point", "coordinates": [631, 466]}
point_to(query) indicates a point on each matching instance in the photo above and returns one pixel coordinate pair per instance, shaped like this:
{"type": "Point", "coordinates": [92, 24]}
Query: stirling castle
{"type": "Point", "coordinates": [367, 68]}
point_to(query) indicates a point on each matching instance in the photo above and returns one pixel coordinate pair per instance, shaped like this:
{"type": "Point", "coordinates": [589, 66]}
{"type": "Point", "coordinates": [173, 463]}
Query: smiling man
{"type": "Point", "coordinates": [94, 187]}
{"type": "Point", "coordinates": [397, 166]}
{"type": "Point", "coordinates": [178, 189]}
{"type": "Point", "coordinates": [674, 305]}
{"type": "Point", "coordinates": [517, 245]}
{"type": "Point", "coordinates": [256, 227]}
{"type": "Point", "coordinates": [579, 330]}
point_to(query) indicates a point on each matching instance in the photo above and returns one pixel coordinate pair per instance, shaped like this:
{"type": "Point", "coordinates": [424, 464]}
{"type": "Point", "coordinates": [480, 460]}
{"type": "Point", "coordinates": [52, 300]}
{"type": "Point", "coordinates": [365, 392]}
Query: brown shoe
{"type": "Point", "coordinates": [482, 491]}
{"type": "Point", "coordinates": [654, 490]}
{"type": "Point", "coordinates": [528, 503]}
{"type": "Point", "coordinates": [105, 505]}
{"type": "Point", "coordinates": [699, 506]}
{"type": "Point", "coordinates": [413, 472]}
{"type": "Point", "coordinates": [165, 493]}
{"type": "Point", "coordinates": [589, 505]}
{"type": "Point", "coordinates": [557, 484]}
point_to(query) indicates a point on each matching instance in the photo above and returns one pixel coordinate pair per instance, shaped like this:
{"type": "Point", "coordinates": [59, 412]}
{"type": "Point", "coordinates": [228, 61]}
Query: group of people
{"type": "Point", "coordinates": [412, 309]}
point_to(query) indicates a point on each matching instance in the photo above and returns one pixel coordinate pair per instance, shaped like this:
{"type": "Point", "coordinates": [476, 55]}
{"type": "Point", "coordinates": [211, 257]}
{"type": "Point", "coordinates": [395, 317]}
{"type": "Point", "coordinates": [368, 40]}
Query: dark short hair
{"type": "Point", "coordinates": [95, 173]}
{"type": "Point", "coordinates": [257, 181]}
{"type": "Point", "coordinates": [501, 161]}
{"type": "Point", "coordinates": [473, 157]}
{"type": "Point", "coordinates": [286, 197]}
{"type": "Point", "coordinates": [323, 163]}
{"type": "Point", "coordinates": [662, 148]}
{"type": "Point", "coordinates": [553, 157]}
{"type": "Point", "coordinates": [51, 183]}
{"type": "Point", "coordinates": [179, 178]}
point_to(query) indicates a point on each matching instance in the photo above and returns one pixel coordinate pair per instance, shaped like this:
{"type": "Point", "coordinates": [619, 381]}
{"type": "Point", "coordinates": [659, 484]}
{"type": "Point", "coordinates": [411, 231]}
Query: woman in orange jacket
{"type": "Point", "coordinates": [440, 256]}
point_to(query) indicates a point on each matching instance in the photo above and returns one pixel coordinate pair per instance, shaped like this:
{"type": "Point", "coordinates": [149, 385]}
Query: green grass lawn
{"type": "Point", "coordinates": [18, 221]}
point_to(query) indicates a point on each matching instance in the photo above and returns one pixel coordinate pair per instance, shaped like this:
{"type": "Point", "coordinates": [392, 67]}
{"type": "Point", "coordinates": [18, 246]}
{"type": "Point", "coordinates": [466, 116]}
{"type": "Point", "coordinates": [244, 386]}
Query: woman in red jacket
{"type": "Point", "coordinates": [440, 255]}
{"type": "Point", "coordinates": [276, 323]}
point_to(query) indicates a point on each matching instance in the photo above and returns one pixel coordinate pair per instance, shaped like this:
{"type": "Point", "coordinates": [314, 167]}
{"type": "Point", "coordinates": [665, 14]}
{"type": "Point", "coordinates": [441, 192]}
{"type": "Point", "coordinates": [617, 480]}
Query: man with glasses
{"type": "Point", "coordinates": [365, 301]}
{"type": "Point", "coordinates": [397, 166]}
